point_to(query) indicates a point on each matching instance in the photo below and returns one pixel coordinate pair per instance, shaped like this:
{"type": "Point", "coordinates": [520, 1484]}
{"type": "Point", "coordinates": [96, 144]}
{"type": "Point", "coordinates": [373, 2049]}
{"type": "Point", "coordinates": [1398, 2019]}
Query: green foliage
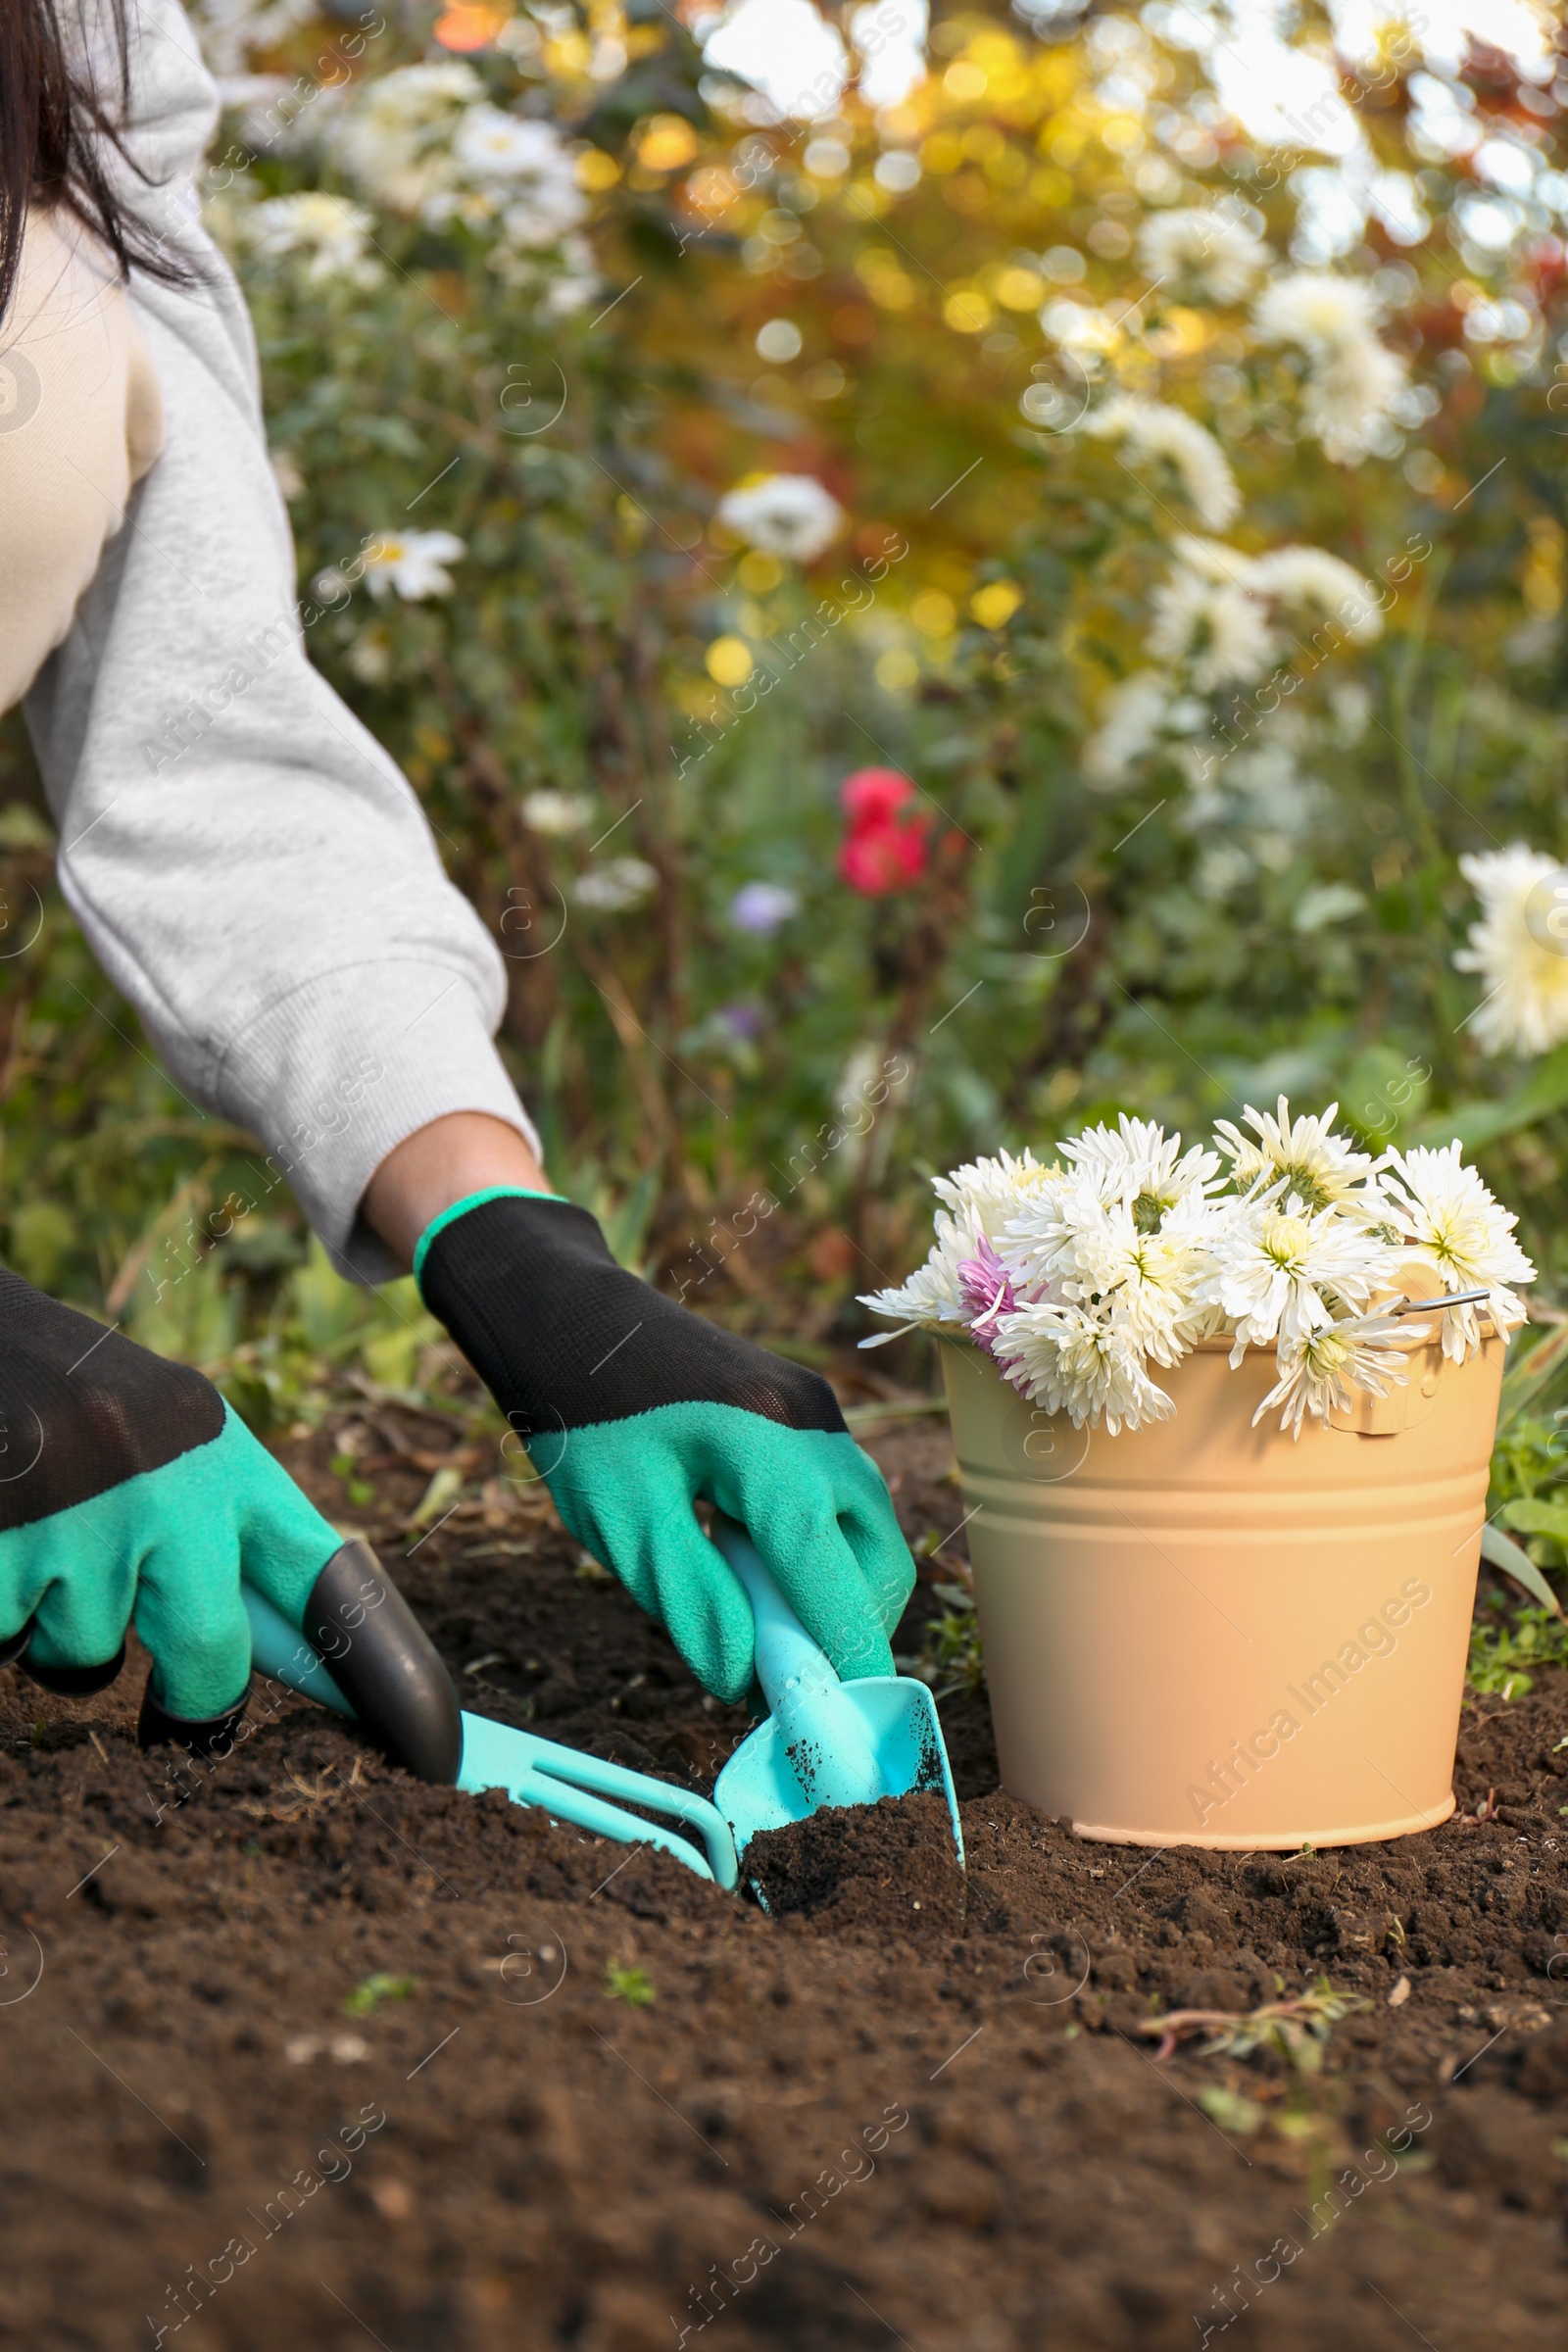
{"type": "Point", "coordinates": [1503, 1652]}
{"type": "Point", "coordinates": [1531, 1455]}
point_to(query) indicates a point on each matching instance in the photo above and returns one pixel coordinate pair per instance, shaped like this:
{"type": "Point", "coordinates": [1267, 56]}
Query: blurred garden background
{"type": "Point", "coordinates": [937, 581]}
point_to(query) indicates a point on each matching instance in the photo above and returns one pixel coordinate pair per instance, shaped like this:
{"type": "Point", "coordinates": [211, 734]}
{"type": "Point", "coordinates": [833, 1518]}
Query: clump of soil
{"type": "Point", "coordinates": [888, 1868]}
{"type": "Point", "coordinates": [298, 2050]}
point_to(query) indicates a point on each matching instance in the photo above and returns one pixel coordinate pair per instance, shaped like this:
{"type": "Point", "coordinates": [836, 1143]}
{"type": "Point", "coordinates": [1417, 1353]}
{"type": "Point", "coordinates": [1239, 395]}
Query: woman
{"type": "Point", "coordinates": [256, 877]}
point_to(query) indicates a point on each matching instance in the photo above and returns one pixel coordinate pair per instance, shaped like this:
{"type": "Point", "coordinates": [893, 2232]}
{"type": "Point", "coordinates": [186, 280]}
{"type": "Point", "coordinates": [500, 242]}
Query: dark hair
{"type": "Point", "coordinates": [55, 123]}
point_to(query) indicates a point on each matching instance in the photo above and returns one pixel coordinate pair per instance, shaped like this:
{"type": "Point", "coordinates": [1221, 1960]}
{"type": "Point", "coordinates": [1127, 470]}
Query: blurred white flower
{"type": "Point", "coordinates": [1311, 580]}
{"type": "Point", "coordinates": [617, 885]}
{"type": "Point", "coordinates": [1352, 378]}
{"type": "Point", "coordinates": [1155, 430]}
{"type": "Point", "coordinates": [574, 281]}
{"type": "Point", "coordinates": [556, 812]}
{"type": "Point", "coordinates": [369, 657]}
{"type": "Point", "coordinates": [328, 230]}
{"type": "Point", "coordinates": [1319, 1372]}
{"type": "Point", "coordinates": [529, 162]}
{"type": "Point", "coordinates": [1316, 310]}
{"type": "Point", "coordinates": [394, 134]}
{"type": "Point", "coordinates": [1452, 1224]}
{"type": "Point", "coordinates": [1221, 634]}
{"type": "Point", "coordinates": [1131, 720]}
{"type": "Point", "coordinates": [784, 514]}
{"type": "Point", "coordinates": [1319, 1168]}
{"type": "Point", "coordinates": [1214, 559]}
{"type": "Point", "coordinates": [1222, 256]}
{"type": "Point", "coordinates": [1525, 1010]}
{"type": "Point", "coordinates": [414, 563]}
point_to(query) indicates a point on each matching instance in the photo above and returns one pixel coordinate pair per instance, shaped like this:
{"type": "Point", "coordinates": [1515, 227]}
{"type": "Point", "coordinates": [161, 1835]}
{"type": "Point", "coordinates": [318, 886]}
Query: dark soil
{"type": "Point", "coordinates": [299, 2052]}
{"type": "Point", "coordinates": [873, 1866]}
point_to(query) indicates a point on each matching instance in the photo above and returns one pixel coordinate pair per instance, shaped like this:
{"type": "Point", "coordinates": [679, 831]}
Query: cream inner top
{"type": "Point", "coordinates": [81, 420]}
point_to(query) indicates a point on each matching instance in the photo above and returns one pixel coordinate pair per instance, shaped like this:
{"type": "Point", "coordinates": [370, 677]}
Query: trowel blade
{"type": "Point", "coordinates": [759, 1789]}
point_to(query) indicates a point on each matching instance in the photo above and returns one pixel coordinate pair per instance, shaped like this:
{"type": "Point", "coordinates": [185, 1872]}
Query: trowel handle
{"type": "Point", "coordinates": [786, 1655]}
{"type": "Point", "coordinates": [802, 1692]}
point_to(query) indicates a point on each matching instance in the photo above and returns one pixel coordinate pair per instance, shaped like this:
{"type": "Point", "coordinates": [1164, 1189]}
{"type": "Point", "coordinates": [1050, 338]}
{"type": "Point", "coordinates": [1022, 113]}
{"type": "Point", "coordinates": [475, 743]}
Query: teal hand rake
{"type": "Point", "coordinates": [562, 1781]}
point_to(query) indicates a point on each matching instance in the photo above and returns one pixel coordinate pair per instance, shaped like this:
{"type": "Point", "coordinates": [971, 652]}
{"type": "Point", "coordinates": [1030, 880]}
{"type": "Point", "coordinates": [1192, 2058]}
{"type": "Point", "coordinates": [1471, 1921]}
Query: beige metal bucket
{"type": "Point", "coordinates": [1201, 1633]}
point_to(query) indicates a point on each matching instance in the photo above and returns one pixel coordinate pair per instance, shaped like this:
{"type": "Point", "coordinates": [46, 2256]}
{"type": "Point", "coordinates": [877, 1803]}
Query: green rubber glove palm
{"type": "Point", "coordinates": [128, 1490]}
{"type": "Point", "coordinates": [632, 1408]}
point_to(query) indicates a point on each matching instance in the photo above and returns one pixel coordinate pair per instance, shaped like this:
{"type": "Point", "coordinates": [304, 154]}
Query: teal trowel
{"type": "Point", "coordinates": [826, 1742]}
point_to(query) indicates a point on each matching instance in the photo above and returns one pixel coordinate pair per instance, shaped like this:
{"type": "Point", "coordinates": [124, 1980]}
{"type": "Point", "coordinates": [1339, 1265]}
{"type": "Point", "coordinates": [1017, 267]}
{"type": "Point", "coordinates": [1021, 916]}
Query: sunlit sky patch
{"type": "Point", "coordinates": [798, 62]}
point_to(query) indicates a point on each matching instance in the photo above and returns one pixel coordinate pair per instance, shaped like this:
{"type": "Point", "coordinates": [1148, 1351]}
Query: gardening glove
{"type": "Point", "coordinates": [128, 1489]}
{"type": "Point", "coordinates": [631, 1407]}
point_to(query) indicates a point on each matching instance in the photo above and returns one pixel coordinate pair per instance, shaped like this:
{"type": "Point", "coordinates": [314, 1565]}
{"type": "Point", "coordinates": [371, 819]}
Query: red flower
{"type": "Point", "coordinates": [887, 841]}
{"type": "Point", "coordinates": [874, 796]}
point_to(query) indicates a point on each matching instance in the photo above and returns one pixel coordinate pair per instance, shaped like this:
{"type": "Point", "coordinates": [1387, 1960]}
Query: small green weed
{"type": "Point", "coordinates": [367, 1997]}
{"type": "Point", "coordinates": [631, 1985]}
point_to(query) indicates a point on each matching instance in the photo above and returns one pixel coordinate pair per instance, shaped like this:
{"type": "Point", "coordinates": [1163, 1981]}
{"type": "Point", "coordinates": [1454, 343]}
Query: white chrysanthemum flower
{"type": "Point", "coordinates": [414, 563]}
{"type": "Point", "coordinates": [556, 812]}
{"type": "Point", "coordinates": [1131, 720]}
{"type": "Point", "coordinates": [1311, 580]}
{"type": "Point", "coordinates": [1453, 1224]}
{"type": "Point", "coordinates": [1221, 634]}
{"type": "Point", "coordinates": [784, 514]}
{"type": "Point", "coordinates": [1525, 1010]}
{"type": "Point", "coordinates": [934, 1294]}
{"type": "Point", "coordinates": [529, 160]}
{"type": "Point", "coordinates": [1352, 377]}
{"type": "Point", "coordinates": [1124, 1232]}
{"type": "Point", "coordinates": [980, 1199]}
{"type": "Point", "coordinates": [1155, 430]}
{"type": "Point", "coordinates": [1071, 1360]}
{"type": "Point", "coordinates": [1276, 1266]}
{"type": "Point", "coordinates": [1317, 1373]}
{"type": "Point", "coordinates": [1348, 393]}
{"type": "Point", "coordinates": [1145, 1282]}
{"type": "Point", "coordinates": [1317, 309]}
{"type": "Point", "coordinates": [616, 886]}
{"type": "Point", "coordinates": [1322, 1169]}
{"type": "Point", "coordinates": [330, 231]}
{"type": "Point", "coordinates": [1221, 256]}
{"type": "Point", "coordinates": [993, 1190]}
{"type": "Point", "coordinates": [1214, 560]}
{"type": "Point", "coordinates": [1139, 1165]}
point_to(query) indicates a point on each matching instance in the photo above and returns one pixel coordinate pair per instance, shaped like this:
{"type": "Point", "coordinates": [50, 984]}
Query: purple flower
{"type": "Point", "coordinates": [988, 1292]}
{"type": "Point", "coordinates": [761, 906]}
{"type": "Point", "coordinates": [742, 1020]}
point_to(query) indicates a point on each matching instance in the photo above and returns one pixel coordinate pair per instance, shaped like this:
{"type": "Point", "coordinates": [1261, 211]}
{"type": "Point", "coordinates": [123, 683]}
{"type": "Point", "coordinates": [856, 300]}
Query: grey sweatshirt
{"type": "Point", "coordinates": [248, 865]}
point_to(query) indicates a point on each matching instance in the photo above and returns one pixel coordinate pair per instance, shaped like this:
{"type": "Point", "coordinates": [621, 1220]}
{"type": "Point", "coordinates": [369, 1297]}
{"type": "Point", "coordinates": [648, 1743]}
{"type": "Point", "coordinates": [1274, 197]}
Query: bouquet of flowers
{"type": "Point", "coordinates": [1079, 1277]}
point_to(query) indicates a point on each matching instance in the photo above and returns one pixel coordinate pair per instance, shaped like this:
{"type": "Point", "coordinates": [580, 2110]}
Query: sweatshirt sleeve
{"type": "Point", "coordinates": [249, 866]}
